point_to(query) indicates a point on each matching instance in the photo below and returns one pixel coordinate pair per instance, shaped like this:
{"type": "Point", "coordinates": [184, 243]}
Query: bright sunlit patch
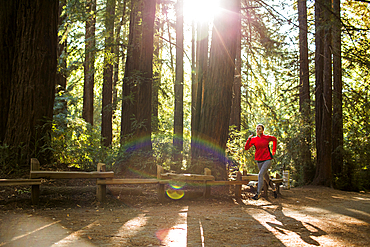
{"type": "Point", "coordinates": [76, 237]}
{"type": "Point", "coordinates": [131, 228]}
{"type": "Point", "coordinates": [31, 232]}
{"type": "Point", "coordinates": [177, 234]}
{"type": "Point", "coordinates": [201, 10]}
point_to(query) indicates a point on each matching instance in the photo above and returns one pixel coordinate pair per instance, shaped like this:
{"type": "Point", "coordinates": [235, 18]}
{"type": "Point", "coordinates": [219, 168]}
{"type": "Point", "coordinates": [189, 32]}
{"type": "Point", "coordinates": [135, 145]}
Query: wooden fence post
{"type": "Point", "coordinates": [238, 188]}
{"type": "Point", "coordinates": [101, 189]}
{"type": "Point", "coordinates": [161, 184]}
{"type": "Point", "coordinates": [207, 191]}
{"type": "Point", "coordinates": [35, 189]}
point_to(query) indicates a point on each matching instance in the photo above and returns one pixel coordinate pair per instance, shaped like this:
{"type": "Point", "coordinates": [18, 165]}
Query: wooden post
{"type": "Point", "coordinates": [277, 185]}
{"type": "Point", "coordinates": [35, 189]}
{"type": "Point", "coordinates": [238, 188]}
{"type": "Point", "coordinates": [101, 189]}
{"type": "Point", "coordinates": [161, 184]}
{"type": "Point", "coordinates": [207, 190]}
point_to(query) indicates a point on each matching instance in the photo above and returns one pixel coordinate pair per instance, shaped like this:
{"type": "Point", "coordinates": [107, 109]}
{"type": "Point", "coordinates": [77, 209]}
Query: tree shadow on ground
{"type": "Point", "coordinates": [291, 224]}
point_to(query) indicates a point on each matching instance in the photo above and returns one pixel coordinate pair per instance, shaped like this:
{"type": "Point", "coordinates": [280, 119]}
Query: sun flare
{"type": "Point", "coordinates": [201, 10]}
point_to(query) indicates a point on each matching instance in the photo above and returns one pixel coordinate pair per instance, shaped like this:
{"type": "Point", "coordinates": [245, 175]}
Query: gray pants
{"type": "Point", "coordinates": [264, 174]}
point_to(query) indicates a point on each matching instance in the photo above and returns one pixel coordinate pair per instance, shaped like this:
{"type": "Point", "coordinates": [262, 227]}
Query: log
{"type": "Point", "coordinates": [15, 182]}
{"type": "Point", "coordinates": [120, 181]}
{"type": "Point", "coordinates": [70, 174]}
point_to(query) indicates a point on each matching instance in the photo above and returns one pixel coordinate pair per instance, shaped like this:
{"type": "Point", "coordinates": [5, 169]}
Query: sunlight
{"type": "Point", "coordinates": [176, 235]}
{"type": "Point", "coordinates": [201, 10]}
{"type": "Point", "coordinates": [201, 232]}
{"type": "Point", "coordinates": [131, 227]}
{"type": "Point", "coordinates": [76, 237]}
{"type": "Point", "coordinates": [31, 232]}
{"type": "Point", "coordinates": [28, 233]}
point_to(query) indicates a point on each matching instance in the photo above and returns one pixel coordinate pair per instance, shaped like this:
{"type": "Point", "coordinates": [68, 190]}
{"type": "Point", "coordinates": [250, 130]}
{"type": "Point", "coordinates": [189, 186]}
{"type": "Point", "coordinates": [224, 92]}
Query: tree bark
{"type": "Point", "coordinates": [129, 94]}
{"type": "Point", "coordinates": [179, 82]}
{"type": "Point", "coordinates": [107, 107]}
{"type": "Point", "coordinates": [61, 78]}
{"type": "Point", "coordinates": [89, 68]}
{"type": "Point", "coordinates": [144, 97]}
{"type": "Point", "coordinates": [28, 48]}
{"type": "Point", "coordinates": [304, 96]}
{"type": "Point", "coordinates": [201, 71]}
{"type": "Point", "coordinates": [193, 78]}
{"type": "Point", "coordinates": [158, 43]}
{"type": "Point", "coordinates": [118, 55]}
{"type": "Point", "coordinates": [323, 168]}
{"type": "Point", "coordinates": [235, 118]}
{"type": "Point", "coordinates": [8, 23]}
{"type": "Point", "coordinates": [216, 106]}
{"type": "Point", "coordinates": [337, 150]}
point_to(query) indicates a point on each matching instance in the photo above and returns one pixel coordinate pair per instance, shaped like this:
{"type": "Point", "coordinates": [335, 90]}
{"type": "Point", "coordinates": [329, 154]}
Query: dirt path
{"type": "Point", "coordinates": [307, 216]}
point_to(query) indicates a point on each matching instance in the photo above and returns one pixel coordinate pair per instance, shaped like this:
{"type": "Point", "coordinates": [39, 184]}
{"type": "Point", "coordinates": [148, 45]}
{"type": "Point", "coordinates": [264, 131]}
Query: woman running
{"type": "Point", "coordinates": [263, 157]}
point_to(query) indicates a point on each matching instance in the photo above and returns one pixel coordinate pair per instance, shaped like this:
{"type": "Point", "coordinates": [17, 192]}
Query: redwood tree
{"type": "Point", "coordinates": [107, 110]}
{"type": "Point", "coordinates": [89, 68]}
{"type": "Point", "coordinates": [28, 48]}
{"type": "Point", "coordinates": [304, 95]}
{"type": "Point", "coordinates": [144, 94]}
{"type": "Point", "coordinates": [179, 82]}
{"type": "Point", "coordinates": [129, 90]}
{"type": "Point", "coordinates": [217, 99]}
{"type": "Point", "coordinates": [197, 87]}
{"type": "Point", "coordinates": [235, 117]}
{"type": "Point", "coordinates": [324, 94]}
{"type": "Point", "coordinates": [337, 151]}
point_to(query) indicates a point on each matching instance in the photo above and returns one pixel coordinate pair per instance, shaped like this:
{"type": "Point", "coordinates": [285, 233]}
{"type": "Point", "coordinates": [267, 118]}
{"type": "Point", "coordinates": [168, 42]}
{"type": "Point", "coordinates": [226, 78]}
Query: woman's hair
{"type": "Point", "coordinates": [263, 127]}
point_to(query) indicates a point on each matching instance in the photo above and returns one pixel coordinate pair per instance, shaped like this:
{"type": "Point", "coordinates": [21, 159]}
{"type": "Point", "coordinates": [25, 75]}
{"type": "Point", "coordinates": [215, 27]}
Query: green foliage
{"type": "Point", "coordinates": [75, 142]}
{"type": "Point", "coordinates": [270, 94]}
{"type": "Point", "coordinates": [236, 153]}
{"type": "Point", "coordinates": [9, 161]}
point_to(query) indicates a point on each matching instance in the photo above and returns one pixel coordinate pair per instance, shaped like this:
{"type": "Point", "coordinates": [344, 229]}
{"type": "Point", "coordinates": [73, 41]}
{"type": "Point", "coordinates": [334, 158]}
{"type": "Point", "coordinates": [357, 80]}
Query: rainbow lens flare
{"type": "Point", "coordinates": [175, 194]}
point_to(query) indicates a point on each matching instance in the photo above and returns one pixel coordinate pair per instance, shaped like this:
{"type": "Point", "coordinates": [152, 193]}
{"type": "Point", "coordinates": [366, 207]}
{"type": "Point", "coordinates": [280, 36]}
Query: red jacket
{"type": "Point", "coordinates": [262, 146]}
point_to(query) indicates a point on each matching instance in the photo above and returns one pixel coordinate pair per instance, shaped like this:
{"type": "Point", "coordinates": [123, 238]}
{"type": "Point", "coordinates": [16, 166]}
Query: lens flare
{"type": "Point", "coordinates": [175, 194]}
{"type": "Point", "coordinates": [177, 184]}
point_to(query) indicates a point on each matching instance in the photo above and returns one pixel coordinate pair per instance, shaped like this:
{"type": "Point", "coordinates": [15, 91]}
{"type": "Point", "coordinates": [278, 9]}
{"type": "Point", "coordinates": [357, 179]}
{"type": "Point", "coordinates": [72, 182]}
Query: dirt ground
{"type": "Point", "coordinates": [132, 216]}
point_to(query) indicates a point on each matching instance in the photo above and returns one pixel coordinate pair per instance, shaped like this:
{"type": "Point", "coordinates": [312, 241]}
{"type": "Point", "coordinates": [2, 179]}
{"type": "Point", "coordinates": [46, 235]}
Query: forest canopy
{"type": "Point", "coordinates": [183, 83]}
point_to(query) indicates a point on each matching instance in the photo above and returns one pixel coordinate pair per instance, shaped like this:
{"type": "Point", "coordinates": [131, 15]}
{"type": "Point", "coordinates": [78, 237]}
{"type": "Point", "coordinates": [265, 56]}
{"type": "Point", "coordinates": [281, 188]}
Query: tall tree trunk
{"type": "Point", "coordinates": [193, 77]}
{"type": "Point", "coordinates": [319, 70]}
{"type": "Point", "coordinates": [129, 91]}
{"type": "Point", "coordinates": [89, 68]}
{"type": "Point", "coordinates": [201, 71]}
{"type": "Point", "coordinates": [216, 107]}
{"type": "Point", "coordinates": [235, 118]}
{"type": "Point", "coordinates": [28, 75]}
{"type": "Point", "coordinates": [179, 82]}
{"type": "Point", "coordinates": [144, 99]}
{"type": "Point", "coordinates": [158, 43]}
{"type": "Point", "coordinates": [61, 78]}
{"type": "Point", "coordinates": [304, 95]}
{"type": "Point", "coordinates": [323, 169]}
{"type": "Point", "coordinates": [337, 151]}
{"type": "Point", "coordinates": [107, 112]}
{"type": "Point", "coordinates": [117, 55]}
{"type": "Point", "coordinates": [8, 23]}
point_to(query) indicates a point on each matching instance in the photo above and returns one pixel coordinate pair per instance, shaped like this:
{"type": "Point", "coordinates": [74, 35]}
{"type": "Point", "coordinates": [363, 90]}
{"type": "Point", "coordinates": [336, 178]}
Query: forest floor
{"type": "Point", "coordinates": [69, 215]}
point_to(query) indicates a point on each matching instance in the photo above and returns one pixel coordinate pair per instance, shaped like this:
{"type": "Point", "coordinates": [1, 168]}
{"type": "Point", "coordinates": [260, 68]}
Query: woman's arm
{"type": "Point", "coordinates": [248, 144]}
{"type": "Point", "coordinates": [274, 144]}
